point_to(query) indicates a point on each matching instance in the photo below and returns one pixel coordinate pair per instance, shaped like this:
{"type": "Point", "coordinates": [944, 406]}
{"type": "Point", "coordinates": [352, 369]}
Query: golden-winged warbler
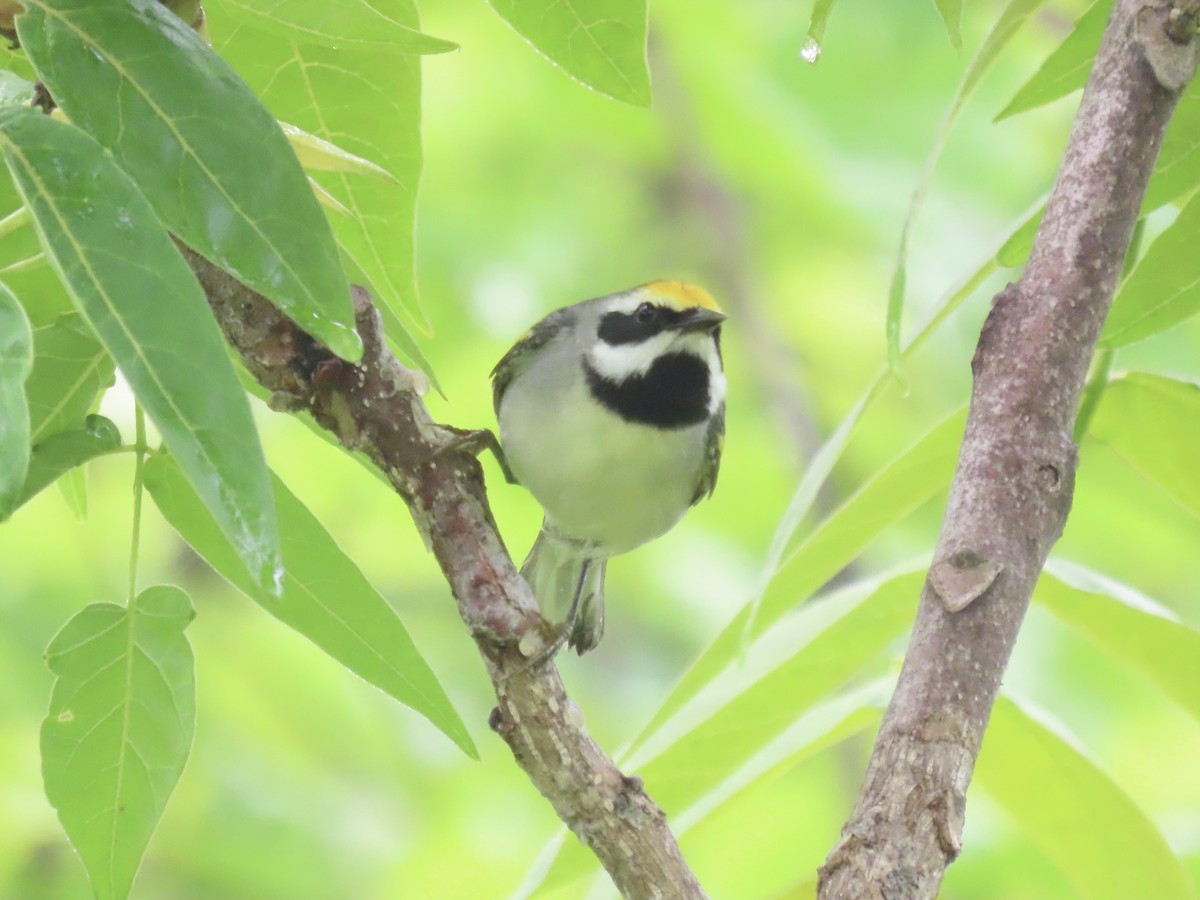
{"type": "Point", "coordinates": [612, 414]}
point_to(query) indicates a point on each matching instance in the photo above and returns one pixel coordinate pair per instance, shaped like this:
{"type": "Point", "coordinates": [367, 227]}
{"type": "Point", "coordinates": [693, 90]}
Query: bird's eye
{"type": "Point", "coordinates": [645, 313]}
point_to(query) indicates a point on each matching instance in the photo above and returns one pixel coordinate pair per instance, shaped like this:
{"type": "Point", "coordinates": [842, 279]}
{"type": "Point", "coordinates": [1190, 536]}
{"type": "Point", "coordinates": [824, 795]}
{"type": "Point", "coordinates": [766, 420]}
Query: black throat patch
{"type": "Point", "coordinates": [672, 393]}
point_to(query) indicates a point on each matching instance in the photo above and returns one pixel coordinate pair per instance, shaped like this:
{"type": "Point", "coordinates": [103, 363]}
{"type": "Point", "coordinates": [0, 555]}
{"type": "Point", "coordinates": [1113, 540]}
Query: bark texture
{"type": "Point", "coordinates": [375, 408]}
{"type": "Point", "coordinates": [1013, 486]}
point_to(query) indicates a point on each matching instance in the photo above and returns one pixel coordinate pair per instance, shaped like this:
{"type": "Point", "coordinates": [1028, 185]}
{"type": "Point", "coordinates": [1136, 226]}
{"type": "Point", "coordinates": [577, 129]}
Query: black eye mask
{"type": "Point", "coordinates": [640, 325]}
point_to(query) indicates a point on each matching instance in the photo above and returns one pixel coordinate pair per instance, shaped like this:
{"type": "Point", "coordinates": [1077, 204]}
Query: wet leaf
{"type": "Point", "coordinates": [123, 271]}
{"type": "Point", "coordinates": [185, 126]}
{"type": "Point", "coordinates": [65, 450]}
{"type": "Point", "coordinates": [307, 85]}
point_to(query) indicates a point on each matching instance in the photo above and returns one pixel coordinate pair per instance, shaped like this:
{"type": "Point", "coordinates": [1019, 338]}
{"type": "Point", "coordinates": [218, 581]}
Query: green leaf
{"type": "Point", "coordinates": [1176, 174]}
{"type": "Point", "coordinates": [889, 496]}
{"type": "Point", "coordinates": [898, 285]}
{"type": "Point", "coordinates": [1153, 423]}
{"type": "Point", "coordinates": [61, 452]}
{"type": "Point", "coordinates": [1164, 287]}
{"type": "Point", "coordinates": [254, 389]}
{"type": "Point", "coordinates": [119, 728]}
{"type": "Point", "coordinates": [70, 368]}
{"type": "Point", "coordinates": [826, 457]}
{"type": "Point", "coordinates": [73, 488]}
{"type": "Point", "coordinates": [14, 90]}
{"type": "Point", "coordinates": [1073, 812]}
{"type": "Point", "coordinates": [811, 51]}
{"type": "Point", "coordinates": [124, 273]}
{"type": "Point", "coordinates": [1016, 249]}
{"type": "Point", "coordinates": [1010, 20]}
{"type": "Point", "coordinates": [188, 10]}
{"type": "Point", "coordinates": [1066, 68]}
{"type": "Point", "coordinates": [815, 475]}
{"type": "Point", "coordinates": [1177, 169]}
{"type": "Point", "coordinates": [319, 155]}
{"type": "Point", "coordinates": [24, 265]}
{"type": "Point", "coordinates": [951, 13]}
{"type": "Point", "coordinates": [1128, 627]}
{"type": "Point", "coordinates": [1014, 15]}
{"type": "Point", "coordinates": [816, 729]}
{"type": "Point", "coordinates": [16, 362]}
{"type": "Point", "coordinates": [15, 220]}
{"type": "Point", "coordinates": [307, 85]}
{"type": "Point", "coordinates": [185, 126]}
{"type": "Point", "coordinates": [730, 643]}
{"type": "Point", "coordinates": [334, 23]}
{"type": "Point", "coordinates": [831, 640]}
{"type": "Point", "coordinates": [325, 596]}
{"type": "Point", "coordinates": [748, 720]}
{"type": "Point", "coordinates": [819, 20]}
{"type": "Point", "coordinates": [813, 731]}
{"type": "Point", "coordinates": [602, 43]}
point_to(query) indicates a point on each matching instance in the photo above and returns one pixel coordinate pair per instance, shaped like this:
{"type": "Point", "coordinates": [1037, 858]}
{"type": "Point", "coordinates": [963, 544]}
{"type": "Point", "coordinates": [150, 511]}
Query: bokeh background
{"type": "Point", "coordinates": [783, 188]}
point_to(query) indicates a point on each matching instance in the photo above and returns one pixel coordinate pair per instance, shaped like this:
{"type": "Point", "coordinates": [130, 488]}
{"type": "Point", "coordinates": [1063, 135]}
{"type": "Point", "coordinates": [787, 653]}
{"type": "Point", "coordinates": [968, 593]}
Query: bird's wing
{"type": "Point", "coordinates": [714, 444]}
{"type": "Point", "coordinates": [512, 363]}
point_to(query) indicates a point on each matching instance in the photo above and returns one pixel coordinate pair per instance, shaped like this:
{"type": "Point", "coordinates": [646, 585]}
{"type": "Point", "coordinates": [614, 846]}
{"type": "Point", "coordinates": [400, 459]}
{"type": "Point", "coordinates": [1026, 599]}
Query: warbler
{"type": "Point", "coordinates": [612, 414]}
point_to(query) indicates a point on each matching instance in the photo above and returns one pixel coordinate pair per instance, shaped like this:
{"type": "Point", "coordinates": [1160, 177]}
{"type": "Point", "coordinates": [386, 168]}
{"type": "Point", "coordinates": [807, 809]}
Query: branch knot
{"type": "Point", "coordinates": [962, 578]}
{"type": "Point", "coordinates": [1166, 36]}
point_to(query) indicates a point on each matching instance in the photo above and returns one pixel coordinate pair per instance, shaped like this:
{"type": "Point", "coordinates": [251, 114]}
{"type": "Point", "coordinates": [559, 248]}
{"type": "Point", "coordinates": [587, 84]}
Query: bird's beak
{"type": "Point", "coordinates": [700, 319]}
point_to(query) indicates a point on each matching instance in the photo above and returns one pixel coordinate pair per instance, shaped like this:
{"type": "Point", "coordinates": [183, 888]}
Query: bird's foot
{"type": "Point", "coordinates": [475, 441]}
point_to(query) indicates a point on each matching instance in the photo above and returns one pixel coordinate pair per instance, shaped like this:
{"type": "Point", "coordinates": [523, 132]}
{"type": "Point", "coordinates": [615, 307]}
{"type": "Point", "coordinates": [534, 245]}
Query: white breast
{"type": "Point", "coordinates": [598, 477]}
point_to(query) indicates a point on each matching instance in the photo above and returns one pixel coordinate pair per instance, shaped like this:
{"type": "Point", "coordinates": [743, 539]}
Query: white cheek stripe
{"type": "Point", "coordinates": [617, 362]}
{"type": "Point", "coordinates": [716, 378]}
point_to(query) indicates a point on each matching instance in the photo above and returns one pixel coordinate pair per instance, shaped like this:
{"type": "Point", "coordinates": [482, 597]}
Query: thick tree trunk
{"type": "Point", "coordinates": [1012, 490]}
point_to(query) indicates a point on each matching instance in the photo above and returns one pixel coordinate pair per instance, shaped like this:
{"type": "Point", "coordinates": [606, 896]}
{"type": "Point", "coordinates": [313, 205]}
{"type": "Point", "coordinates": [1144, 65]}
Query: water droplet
{"type": "Point", "coordinates": [811, 51]}
{"type": "Point", "coordinates": [102, 429]}
{"type": "Point", "coordinates": [66, 716]}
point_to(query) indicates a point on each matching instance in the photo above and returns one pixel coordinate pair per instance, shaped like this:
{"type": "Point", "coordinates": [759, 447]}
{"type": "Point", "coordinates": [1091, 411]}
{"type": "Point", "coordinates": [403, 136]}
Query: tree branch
{"type": "Point", "coordinates": [1012, 490]}
{"type": "Point", "coordinates": [375, 408]}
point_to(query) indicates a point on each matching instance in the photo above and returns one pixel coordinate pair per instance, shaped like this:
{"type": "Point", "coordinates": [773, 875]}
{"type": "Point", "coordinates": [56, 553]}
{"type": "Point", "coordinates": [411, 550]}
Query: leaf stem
{"type": "Point", "coordinates": [139, 448]}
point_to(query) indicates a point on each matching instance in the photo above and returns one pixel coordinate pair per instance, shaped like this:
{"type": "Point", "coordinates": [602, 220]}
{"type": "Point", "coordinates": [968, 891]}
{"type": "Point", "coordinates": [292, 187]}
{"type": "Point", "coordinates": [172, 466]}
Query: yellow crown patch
{"type": "Point", "coordinates": [682, 294]}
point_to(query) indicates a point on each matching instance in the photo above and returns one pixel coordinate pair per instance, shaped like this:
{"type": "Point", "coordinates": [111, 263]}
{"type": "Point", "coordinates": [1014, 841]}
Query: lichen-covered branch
{"type": "Point", "coordinates": [1012, 490]}
{"type": "Point", "coordinates": [375, 408]}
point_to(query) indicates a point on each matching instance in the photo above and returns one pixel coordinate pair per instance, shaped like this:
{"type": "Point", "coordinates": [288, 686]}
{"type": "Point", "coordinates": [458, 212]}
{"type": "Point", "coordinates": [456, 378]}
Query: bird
{"type": "Point", "coordinates": [611, 412]}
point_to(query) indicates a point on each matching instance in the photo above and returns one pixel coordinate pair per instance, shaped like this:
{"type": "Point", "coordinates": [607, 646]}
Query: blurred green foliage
{"type": "Point", "coordinates": [784, 188]}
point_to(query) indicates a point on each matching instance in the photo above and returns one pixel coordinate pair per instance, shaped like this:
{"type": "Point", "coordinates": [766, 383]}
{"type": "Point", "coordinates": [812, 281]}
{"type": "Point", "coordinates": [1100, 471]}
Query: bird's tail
{"type": "Point", "coordinates": [555, 571]}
